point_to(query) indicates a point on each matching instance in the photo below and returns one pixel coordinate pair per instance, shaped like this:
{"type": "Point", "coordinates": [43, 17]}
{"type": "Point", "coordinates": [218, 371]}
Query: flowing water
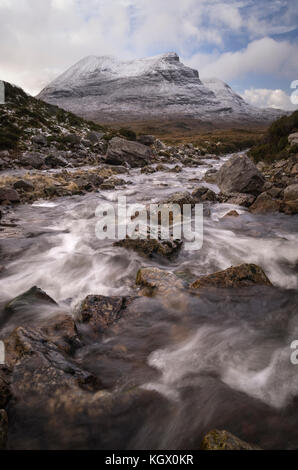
{"type": "Point", "coordinates": [221, 359]}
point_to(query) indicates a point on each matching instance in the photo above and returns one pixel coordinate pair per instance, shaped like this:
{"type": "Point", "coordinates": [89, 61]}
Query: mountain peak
{"type": "Point", "coordinates": [108, 88]}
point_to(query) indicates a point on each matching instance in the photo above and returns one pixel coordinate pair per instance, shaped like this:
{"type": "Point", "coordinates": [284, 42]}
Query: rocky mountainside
{"type": "Point", "coordinates": [104, 88]}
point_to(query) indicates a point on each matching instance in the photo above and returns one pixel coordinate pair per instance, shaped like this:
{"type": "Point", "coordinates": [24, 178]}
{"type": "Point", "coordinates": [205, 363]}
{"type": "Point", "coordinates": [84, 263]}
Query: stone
{"type": "Point", "coordinates": [39, 140]}
{"type": "Point", "coordinates": [9, 194]}
{"type": "Point", "coordinates": [121, 151]}
{"type": "Point", "coordinates": [94, 137]}
{"type": "Point", "coordinates": [293, 138]}
{"type": "Point", "coordinates": [240, 175]}
{"type": "Point", "coordinates": [158, 281]}
{"type": "Point", "coordinates": [290, 207]}
{"type": "Point", "coordinates": [100, 312]}
{"type": "Point", "coordinates": [180, 198]}
{"type": "Point", "coordinates": [54, 161]}
{"type": "Point", "coordinates": [211, 176]}
{"type": "Point", "coordinates": [244, 275]}
{"type": "Point", "coordinates": [291, 192]}
{"type": "Point", "coordinates": [33, 159]}
{"type": "Point", "coordinates": [203, 194]}
{"type": "Point", "coordinates": [264, 204]}
{"type": "Point", "coordinates": [25, 301]}
{"type": "Point", "coordinates": [245, 200]}
{"type": "Point", "coordinates": [72, 139]}
{"type": "Point", "coordinates": [61, 330]}
{"type": "Point", "coordinates": [224, 440]}
{"type": "Point", "coordinates": [146, 139]}
{"type": "Point", "coordinates": [24, 185]}
{"type": "Point", "coordinates": [231, 214]}
{"type": "Point", "coordinates": [151, 247]}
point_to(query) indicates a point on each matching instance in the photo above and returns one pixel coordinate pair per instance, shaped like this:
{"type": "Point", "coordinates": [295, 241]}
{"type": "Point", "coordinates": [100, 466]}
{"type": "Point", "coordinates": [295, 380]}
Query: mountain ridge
{"type": "Point", "coordinates": [106, 88]}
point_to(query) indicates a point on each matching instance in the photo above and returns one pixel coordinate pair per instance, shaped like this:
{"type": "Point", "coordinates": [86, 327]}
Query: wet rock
{"type": "Point", "coordinates": [39, 367]}
{"type": "Point", "coordinates": [245, 200]}
{"type": "Point", "coordinates": [32, 297]}
{"type": "Point", "coordinates": [39, 140]}
{"type": "Point", "coordinates": [245, 275]}
{"type": "Point", "coordinates": [24, 185]}
{"type": "Point", "coordinates": [100, 312]}
{"type": "Point", "coordinates": [33, 159]}
{"type": "Point", "coordinates": [9, 195]}
{"type": "Point", "coordinates": [240, 175]}
{"type": "Point", "coordinates": [158, 281]}
{"type": "Point", "coordinates": [176, 169]}
{"type": "Point", "coordinates": [149, 248]}
{"type": "Point", "coordinates": [291, 192]}
{"type": "Point", "coordinates": [265, 203]}
{"type": "Point", "coordinates": [121, 151]}
{"type": "Point", "coordinates": [146, 139]}
{"type": "Point", "coordinates": [3, 429]}
{"type": "Point", "coordinates": [148, 170]}
{"type": "Point", "coordinates": [224, 440]}
{"type": "Point", "coordinates": [180, 198]}
{"type": "Point", "coordinates": [203, 194]}
{"type": "Point", "coordinates": [290, 207]}
{"type": "Point", "coordinates": [54, 161]}
{"type": "Point", "coordinates": [231, 214]}
{"type": "Point", "coordinates": [211, 176]}
{"type": "Point", "coordinates": [62, 331]}
{"type": "Point", "coordinates": [74, 419]}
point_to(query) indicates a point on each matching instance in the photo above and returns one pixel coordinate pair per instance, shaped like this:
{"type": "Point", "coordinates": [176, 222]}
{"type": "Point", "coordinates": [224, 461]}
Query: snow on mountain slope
{"type": "Point", "coordinates": [105, 88]}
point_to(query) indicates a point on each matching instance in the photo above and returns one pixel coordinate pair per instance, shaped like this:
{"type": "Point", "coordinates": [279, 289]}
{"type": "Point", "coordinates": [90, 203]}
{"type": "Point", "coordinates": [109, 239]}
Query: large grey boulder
{"type": "Point", "coordinates": [291, 192]}
{"type": "Point", "coordinates": [121, 151]}
{"type": "Point", "coordinates": [240, 175]}
{"type": "Point", "coordinates": [293, 138]}
{"type": "Point", "coordinates": [33, 159]}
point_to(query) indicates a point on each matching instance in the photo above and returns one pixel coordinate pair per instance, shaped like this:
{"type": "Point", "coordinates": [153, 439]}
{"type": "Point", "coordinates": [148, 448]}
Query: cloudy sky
{"type": "Point", "coordinates": [251, 44]}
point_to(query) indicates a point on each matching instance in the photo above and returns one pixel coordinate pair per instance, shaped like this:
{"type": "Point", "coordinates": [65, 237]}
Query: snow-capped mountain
{"type": "Point", "coordinates": [105, 88]}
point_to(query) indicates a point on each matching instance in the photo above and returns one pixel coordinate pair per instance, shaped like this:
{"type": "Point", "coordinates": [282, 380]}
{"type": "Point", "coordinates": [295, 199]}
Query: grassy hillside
{"type": "Point", "coordinates": [274, 145]}
{"type": "Point", "coordinates": [23, 115]}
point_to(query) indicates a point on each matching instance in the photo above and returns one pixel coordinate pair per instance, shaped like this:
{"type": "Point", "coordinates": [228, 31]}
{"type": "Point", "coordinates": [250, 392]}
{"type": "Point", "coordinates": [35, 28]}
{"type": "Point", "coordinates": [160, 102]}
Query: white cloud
{"type": "Point", "coordinates": [262, 56]}
{"type": "Point", "coordinates": [265, 98]}
{"type": "Point", "coordinates": [40, 39]}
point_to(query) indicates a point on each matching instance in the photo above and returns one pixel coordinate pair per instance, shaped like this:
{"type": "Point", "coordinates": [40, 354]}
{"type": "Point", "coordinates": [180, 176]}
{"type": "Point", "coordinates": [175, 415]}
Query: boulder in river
{"type": "Point", "coordinates": [26, 301]}
{"type": "Point", "coordinates": [62, 331]}
{"type": "Point", "coordinates": [121, 151]}
{"type": "Point", "coordinates": [149, 248]}
{"type": "Point", "coordinates": [9, 195]}
{"type": "Point", "coordinates": [265, 203]}
{"type": "Point", "coordinates": [24, 185]}
{"type": "Point", "coordinates": [203, 194]}
{"type": "Point", "coordinates": [100, 312]}
{"type": "Point", "coordinates": [291, 192]}
{"type": "Point", "coordinates": [240, 199]}
{"type": "Point", "coordinates": [224, 440]}
{"type": "Point", "coordinates": [158, 281]}
{"type": "Point", "coordinates": [245, 275]}
{"type": "Point", "coordinates": [240, 175]}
